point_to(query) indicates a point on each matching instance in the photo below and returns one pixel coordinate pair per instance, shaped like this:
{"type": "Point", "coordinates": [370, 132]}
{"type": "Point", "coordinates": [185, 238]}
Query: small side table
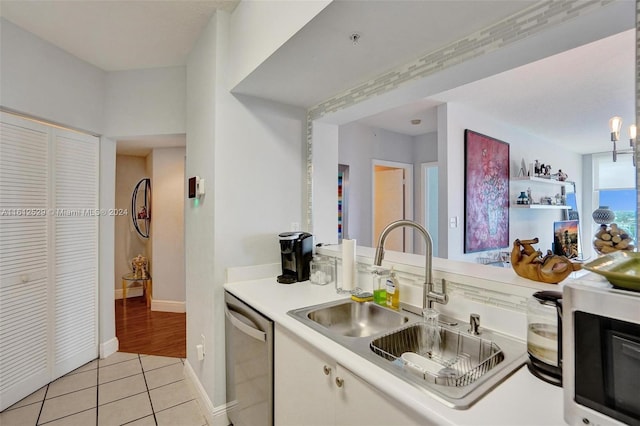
{"type": "Point", "coordinates": [147, 286]}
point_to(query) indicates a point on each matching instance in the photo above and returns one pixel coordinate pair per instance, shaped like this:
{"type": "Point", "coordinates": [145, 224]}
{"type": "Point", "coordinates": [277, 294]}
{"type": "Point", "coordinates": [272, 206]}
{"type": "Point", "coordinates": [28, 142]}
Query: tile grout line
{"type": "Point", "coordinates": [122, 398]}
{"type": "Point", "coordinates": [70, 392]}
{"type": "Point", "coordinates": [97, 391]}
{"type": "Point", "coordinates": [148, 393]}
{"type": "Point", "coordinates": [44, 398]}
{"type": "Point", "coordinates": [64, 417]}
{"type": "Point", "coordinates": [165, 366]}
{"type": "Point", "coordinates": [177, 405]}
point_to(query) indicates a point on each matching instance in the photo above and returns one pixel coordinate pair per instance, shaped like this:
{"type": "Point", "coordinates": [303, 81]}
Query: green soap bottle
{"type": "Point", "coordinates": [380, 286]}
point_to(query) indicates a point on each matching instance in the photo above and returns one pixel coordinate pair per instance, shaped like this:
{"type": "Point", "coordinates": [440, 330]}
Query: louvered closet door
{"type": "Point", "coordinates": [76, 250]}
{"type": "Point", "coordinates": [24, 237]}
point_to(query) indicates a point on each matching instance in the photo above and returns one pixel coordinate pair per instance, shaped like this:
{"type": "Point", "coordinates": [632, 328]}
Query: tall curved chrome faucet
{"type": "Point", "coordinates": [428, 294]}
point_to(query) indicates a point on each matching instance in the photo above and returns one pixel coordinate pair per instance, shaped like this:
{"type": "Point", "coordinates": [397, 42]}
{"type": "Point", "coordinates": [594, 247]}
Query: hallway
{"type": "Point", "coordinates": [140, 330]}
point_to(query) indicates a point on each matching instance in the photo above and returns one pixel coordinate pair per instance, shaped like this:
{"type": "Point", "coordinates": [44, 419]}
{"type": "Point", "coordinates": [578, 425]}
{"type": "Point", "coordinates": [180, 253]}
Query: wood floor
{"type": "Point", "coordinates": [140, 330]}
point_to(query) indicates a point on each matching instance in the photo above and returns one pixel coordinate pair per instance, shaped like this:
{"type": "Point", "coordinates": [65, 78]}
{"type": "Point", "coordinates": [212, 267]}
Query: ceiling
{"type": "Point", "coordinates": [321, 60]}
{"type": "Point", "coordinates": [116, 35]}
{"type": "Point", "coordinates": [568, 98]}
{"type": "Point", "coordinates": [143, 145]}
{"type": "Point", "coordinates": [565, 98]}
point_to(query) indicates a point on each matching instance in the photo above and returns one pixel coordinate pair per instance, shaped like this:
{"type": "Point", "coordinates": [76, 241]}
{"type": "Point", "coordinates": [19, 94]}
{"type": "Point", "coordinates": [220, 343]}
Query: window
{"type": "Point", "coordinates": [615, 187]}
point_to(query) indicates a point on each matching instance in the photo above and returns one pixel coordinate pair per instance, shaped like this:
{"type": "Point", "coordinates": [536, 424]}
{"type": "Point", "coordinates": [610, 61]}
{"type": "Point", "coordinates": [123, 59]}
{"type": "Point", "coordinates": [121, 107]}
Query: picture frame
{"type": "Point", "coordinates": [486, 192]}
{"type": "Point", "coordinates": [566, 240]}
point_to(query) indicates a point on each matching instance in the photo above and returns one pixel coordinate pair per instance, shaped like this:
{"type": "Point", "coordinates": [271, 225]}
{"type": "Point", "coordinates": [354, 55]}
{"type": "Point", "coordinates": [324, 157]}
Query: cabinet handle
{"type": "Point", "coordinates": [327, 370]}
{"type": "Point", "coordinates": [339, 382]}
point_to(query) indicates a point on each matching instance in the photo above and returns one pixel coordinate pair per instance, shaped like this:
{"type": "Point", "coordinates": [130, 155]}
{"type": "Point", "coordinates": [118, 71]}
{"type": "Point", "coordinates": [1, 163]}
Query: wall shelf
{"type": "Point", "coordinates": [539, 180]}
{"type": "Point", "coordinates": [540, 206]}
{"type": "Point", "coordinates": [538, 183]}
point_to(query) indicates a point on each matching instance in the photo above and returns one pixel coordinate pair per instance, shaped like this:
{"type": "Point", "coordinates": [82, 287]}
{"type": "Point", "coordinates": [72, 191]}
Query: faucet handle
{"type": "Point", "coordinates": [443, 291]}
{"type": "Point", "coordinates": [474, 324]}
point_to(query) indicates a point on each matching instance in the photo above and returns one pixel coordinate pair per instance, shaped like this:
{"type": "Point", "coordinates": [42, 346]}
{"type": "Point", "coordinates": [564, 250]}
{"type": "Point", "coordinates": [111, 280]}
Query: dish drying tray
{"type": "Point", "coordinates": [464, 358]}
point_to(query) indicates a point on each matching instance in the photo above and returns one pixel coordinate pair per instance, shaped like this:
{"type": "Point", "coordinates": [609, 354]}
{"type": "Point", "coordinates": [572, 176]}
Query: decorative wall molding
{"type": "Point", "coordinates": [486, 296]}
{"type": "Point", "coordinates": [521, 25]}
{"type": "Point", "coordinates": [637, 99]}
{"type": "Point", "coordinates": [531, 21]}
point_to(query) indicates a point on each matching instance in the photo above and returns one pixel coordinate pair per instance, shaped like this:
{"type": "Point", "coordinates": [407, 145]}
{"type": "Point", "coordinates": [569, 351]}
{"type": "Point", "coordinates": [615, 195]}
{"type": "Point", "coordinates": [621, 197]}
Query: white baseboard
{"type": "Point", "coordinates": [131, 292]}
{"type": "Point", "coordinates": [216, 416]}
{"type": "Point", "coordinates": [168, 306]}
{"type": "Point", "coordinates": [109, 347]}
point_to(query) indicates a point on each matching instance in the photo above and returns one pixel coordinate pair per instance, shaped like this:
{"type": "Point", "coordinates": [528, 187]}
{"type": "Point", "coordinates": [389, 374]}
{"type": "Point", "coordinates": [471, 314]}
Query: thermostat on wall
{"type": "Point", "coordinates": [196, 187]}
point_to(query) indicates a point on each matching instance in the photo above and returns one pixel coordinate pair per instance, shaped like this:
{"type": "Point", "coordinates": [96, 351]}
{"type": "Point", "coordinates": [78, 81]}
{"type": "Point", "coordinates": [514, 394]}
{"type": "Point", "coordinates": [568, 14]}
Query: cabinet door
{"type": "Point", "coordinates": [304, 386]}
{"type": "Point", "coordinates": [24, 251]}
{"type": "Point", "coordinates": [358, 403]}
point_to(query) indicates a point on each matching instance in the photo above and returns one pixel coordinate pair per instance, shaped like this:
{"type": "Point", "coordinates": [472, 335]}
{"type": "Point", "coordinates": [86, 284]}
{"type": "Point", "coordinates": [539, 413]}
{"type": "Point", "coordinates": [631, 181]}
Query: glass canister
{"type": "Point", "coordinates": [323, 270]}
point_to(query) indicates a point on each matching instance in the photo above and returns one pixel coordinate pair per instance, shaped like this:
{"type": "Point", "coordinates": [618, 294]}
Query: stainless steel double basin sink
{"type": "Point", "coordinates": [450, 364]}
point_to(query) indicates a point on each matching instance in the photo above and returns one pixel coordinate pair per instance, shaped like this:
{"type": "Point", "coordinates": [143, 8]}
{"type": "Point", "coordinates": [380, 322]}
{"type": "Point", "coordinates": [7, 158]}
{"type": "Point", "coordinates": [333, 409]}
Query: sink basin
{"type": "Point", "coordinates": [356, 319]}
{"type": "Point", "coordinates": [459, 373]}
{"type": "Point", "coordinates": [457, 359]}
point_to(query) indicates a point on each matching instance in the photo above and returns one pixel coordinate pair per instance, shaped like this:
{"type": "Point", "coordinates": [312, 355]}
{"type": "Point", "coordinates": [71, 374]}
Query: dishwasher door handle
{"type": "Point", "coordinates": [246, 329]}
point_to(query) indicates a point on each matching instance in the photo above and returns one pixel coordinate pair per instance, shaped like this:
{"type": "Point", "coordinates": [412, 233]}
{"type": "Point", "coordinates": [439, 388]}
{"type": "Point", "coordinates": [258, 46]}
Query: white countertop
{"type": "Point", "coordinates": [521, 399]}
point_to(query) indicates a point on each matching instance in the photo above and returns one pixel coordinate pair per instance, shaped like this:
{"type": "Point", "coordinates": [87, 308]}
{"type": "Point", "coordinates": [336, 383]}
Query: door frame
{"type": "Point", "coordinates": [422, 195]}
{"type": "Point", "coordinates": [408, 199]}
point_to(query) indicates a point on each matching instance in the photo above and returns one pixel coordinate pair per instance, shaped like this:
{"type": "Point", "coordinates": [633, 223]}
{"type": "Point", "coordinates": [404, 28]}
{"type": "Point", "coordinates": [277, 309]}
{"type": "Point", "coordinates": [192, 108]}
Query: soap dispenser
{"type": "Point", "coordinates": [393, 291]}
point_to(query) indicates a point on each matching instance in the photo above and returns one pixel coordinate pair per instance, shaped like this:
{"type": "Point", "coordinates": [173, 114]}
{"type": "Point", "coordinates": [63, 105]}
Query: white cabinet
{"type": "Point", "coordinates": [312, 389]}
{"type": "Point", "coordinates": [304, 383]}
{"type": "Point", "coordinates": [359, 403]}
{"type": "Point", "coordinates": [48, 254]}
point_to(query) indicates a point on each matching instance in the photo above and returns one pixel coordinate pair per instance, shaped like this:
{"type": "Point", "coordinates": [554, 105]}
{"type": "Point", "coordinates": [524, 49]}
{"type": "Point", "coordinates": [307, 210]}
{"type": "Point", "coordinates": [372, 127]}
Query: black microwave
{"type": "Point", "coordinates": [601, 361]}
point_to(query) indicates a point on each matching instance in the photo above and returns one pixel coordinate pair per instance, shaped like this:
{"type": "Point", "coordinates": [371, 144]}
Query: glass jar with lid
{"type": "Point", "coordinates": [322, 270]}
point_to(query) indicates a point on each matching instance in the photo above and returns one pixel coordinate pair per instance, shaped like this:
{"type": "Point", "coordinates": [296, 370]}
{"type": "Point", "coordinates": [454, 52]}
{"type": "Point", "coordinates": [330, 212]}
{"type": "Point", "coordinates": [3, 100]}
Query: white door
{"type": "Point", "coordinates": [48, 254]}
{"type": "Point", "coordinates": [76, 249]}
{"type": "Point", "coordinates": [24, 269]}
{"type": "Point", "coordinates": [388, 199]}
{"type": "Point", "coordinates": [430, 204]}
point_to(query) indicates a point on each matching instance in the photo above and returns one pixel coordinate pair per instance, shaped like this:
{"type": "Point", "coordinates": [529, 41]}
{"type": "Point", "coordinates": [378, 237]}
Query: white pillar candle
{"type": "Point", "coordinates": [348, 264]}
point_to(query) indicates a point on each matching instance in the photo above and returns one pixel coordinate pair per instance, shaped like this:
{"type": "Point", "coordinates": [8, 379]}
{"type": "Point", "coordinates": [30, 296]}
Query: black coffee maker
{"type": "Point", "coordinates": [296, 251]}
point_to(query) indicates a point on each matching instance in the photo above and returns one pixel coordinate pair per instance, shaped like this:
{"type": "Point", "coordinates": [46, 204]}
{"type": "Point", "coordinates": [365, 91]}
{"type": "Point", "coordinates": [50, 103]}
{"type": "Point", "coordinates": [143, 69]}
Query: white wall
{"type": "Point", "coordinates": [199, 217]}
{"type": "Point", "coordinates": [43, 81]}
{"type": "Point", "coordinates": [145, 102]}
{"type": "Point", "coordinates": [325, 183]}
{"type": "Point", "coordinates": [250, 198]}
{"type": "Point", "coordinates": [128, 244]}
{"type": "Point", "coordinates": [359, 145]}
{"type": "Point", "coordinates": [524, 223]}
{"type": "Point", "coordinates": [107, 322]}
{"type": "Point", "coordinates": [167, 229]}
{"type": "Point", "coordinates": [46, 82]}
{"type": "Point", "coordinates": [258, 28]}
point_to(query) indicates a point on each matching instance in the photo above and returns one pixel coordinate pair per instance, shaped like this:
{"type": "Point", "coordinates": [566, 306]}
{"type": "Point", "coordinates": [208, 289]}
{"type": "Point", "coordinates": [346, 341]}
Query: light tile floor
{"type": "Point", "coordinates": [124, 388]}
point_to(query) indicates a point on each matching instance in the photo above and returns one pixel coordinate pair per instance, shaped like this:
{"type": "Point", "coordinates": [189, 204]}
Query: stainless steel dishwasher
{"type": "Point", "coordinates": [249, 362]}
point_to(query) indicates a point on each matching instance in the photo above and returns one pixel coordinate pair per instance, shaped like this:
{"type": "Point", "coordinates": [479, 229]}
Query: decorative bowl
{"type": "Point", "coordinates": [621, 268]}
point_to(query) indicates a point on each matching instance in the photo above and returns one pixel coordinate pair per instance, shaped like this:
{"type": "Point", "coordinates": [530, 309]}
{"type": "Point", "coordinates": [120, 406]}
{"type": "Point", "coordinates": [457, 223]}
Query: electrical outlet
{"type": "Point", "coordinates": [204, 351]}
{"type": "Point", "coordinates": [295, 226]}
{"type": "Point", "coordinates": [200, 348]}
